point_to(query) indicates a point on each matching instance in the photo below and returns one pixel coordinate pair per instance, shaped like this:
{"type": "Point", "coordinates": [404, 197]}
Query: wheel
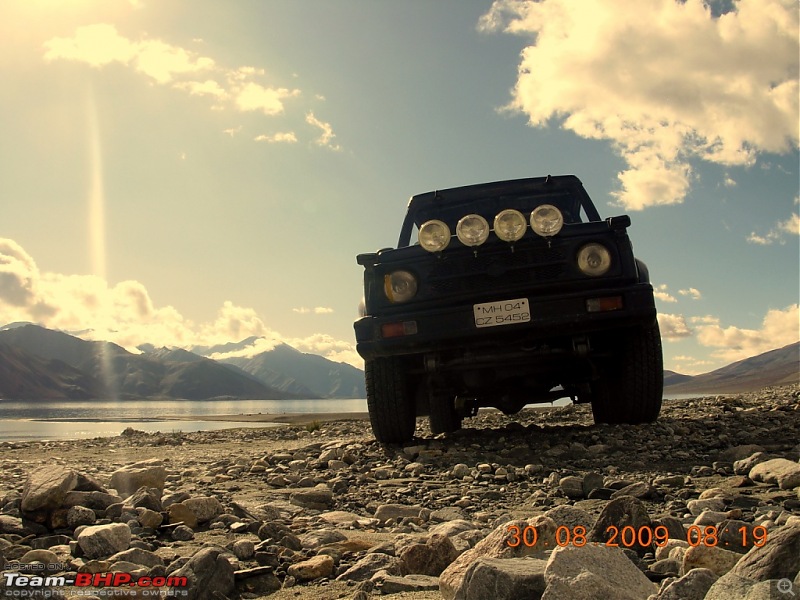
{"type": "Point", "coordinates": [391, 407]}
{"type": "Point", "coordinates": [444, 417]}
{"type": "Point", "coordinates": [631, 389]}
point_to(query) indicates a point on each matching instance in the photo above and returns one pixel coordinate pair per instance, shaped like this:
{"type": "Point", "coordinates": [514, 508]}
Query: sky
{"type": "Point", "coordinates": [182, 172]}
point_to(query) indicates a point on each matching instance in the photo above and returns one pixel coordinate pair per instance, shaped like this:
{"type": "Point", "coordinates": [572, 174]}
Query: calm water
{"type": "Point", "coordinates": [41, 420]}
{"type": "Point", "coordinates": [87, 419]}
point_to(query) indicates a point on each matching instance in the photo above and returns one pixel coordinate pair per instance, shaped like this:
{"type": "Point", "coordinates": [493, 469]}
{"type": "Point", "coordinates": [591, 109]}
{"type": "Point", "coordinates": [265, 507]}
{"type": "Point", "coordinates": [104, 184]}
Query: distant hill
{"type": "Point", "coordinates": [288, 369]}
{"type": "Point", "coordinates": [776, 367]}
{"type": "Point", "coordinates": [40, 356]}
{"type": "Point", "coordinates": [24, 377]}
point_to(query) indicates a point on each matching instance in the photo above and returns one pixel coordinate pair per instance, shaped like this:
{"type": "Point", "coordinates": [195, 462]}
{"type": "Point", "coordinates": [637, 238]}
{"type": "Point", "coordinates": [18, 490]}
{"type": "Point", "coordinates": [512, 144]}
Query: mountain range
{"type": "Point", "coordinates": [39, 363]}
{"type": "Point", "coordinates": [776, 367]}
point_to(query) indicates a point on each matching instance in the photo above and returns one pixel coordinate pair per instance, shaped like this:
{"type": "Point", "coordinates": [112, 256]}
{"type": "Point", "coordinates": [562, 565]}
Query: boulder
{"type": "Point", "coordinates": [717, 560]}
{"type": "Point", "coordinates": [209, 575]}
{"type": "Point", "coordinates": [692, 586]}
{"type": "Point", "coordinates": [590, 572]}
{"type": "Point", "coordinates": [503, 579]}
{"type": "Point", "coordinates": [371, 564]}
{"type": "Point", "coordinates": [312, 568]}
{"type": "Point", "coordinates": [778, 558]}
{"type": "Point", "coordinates": [319, 497]}
{"type": "Point", "coordinates": [782, 472]}
{"type": "Point", "coordinates": [428, 558]}
{"type": "Point", "coordinates": [621, 512]}
{"type": "Point", "coordinates": [147, 473]}
{"type": "Point", "coordinates": [204, 508]}
{"type": "Point", "coordinates": [104, 540]}
{"type": "Point", "coordinates": [498, 544]}
{"type": "Point", "coordinates": [46, 488]}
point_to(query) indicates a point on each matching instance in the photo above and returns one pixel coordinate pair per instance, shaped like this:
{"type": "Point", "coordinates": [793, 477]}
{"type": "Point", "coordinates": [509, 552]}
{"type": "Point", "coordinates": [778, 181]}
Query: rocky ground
{"type": "Point", "coordinates": [704, 503]}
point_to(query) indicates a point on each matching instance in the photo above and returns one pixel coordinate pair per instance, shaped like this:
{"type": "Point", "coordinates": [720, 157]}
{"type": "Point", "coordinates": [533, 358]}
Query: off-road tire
{"type": "Point", "coordinates": [389, 401]}
{"type": "Point", "coordinates": [443, 415]}
{"type": "Point", "coordinates": [632, 386]}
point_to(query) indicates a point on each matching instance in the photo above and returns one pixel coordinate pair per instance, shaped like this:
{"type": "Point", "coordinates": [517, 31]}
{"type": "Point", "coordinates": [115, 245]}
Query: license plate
{"type": "Point", "coordinates": [504, 312]}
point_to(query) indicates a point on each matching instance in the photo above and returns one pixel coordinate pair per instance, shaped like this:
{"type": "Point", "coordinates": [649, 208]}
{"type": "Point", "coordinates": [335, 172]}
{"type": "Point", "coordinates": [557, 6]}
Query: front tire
{"type": "Point", "coordinates": [631, 389]}
{"type": "Point", "coordinates": [391, 407]}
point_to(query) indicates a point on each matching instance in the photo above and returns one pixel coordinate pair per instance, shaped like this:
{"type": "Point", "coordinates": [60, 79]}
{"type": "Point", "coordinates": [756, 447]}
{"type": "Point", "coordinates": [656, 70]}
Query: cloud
{"type": "Point", "coordinates": [100, 44]}
{"type": "Point", "coordinates": [777, 234]}
{"type": "Point", "coordinates": [286, 137]}
{"type": "Point", "coordinates": [18, 274]}
{"type": "Point", "coordinates": [689, 365]}
{"type": "Point", "coordinates": [660, 292]}
{"type": "Point", "coordinates": [692, 293]}
{"type": "Point", "coordinates": [779, 328]}
{"type": "Point", "coordinates": [255, 97]}
{"type": "Point", "coordinates": [209, 87]}
{"type": "Point", "coordinates": [318, 310]}
{"type": "Point", "coordinates": [673, 327]}
{"type": "Point", "coordinates": [665, 82]}
{"type": "Point", "coordinates": [124, 312]}
{"type": "Point", "coordinates": [327, 135]}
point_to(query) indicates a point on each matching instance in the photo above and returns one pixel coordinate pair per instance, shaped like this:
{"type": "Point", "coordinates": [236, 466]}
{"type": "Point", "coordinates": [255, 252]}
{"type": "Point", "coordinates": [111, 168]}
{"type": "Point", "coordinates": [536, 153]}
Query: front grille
{"type": "Point", "coordinates": [490, 270]}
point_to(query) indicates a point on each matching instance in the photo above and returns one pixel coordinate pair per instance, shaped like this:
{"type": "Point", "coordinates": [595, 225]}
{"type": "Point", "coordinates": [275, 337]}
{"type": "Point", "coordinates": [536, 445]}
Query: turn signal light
{"type": "Point", "coordinates": [390, 330]}
{"type": "Point", "coordinates": [604, 304]}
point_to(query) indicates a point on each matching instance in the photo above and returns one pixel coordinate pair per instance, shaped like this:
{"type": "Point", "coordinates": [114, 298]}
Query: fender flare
{"type": "Point", "coordinates": [643, 271]}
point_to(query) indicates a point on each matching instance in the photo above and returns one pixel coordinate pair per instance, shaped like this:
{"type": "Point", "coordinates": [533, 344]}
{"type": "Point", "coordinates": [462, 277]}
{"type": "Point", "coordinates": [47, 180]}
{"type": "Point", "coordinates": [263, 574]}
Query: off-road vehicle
{"type": "Point", "coordinates": [514, 293]}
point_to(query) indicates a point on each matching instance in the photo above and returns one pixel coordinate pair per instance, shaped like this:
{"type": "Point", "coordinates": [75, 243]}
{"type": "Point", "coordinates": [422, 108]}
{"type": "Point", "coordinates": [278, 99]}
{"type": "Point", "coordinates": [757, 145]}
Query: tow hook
{"type": "Point", "coordinates": [580, 346]}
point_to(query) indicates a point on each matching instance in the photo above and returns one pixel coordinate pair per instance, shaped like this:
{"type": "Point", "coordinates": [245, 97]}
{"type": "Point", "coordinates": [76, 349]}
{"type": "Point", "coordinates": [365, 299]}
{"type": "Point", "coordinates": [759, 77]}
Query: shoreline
{"type": "Point", "coordinates": [285, 418]}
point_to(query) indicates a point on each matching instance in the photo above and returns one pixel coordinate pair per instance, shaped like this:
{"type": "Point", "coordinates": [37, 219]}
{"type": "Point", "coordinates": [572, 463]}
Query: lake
{"type": "Point", "coordinates": [80, 419]}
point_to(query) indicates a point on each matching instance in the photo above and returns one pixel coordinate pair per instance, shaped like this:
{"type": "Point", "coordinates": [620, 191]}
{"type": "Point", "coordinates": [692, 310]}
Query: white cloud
{"type": "Point", "coordinates": [317, 310]}
{"type": "Point", "coordinates": [689, 365]}
{"type": "Point", "coordinates": [255, 97]}
{"type": "Point", "coordinates": [665, 82]}
{"type": "Point", "coordinates": [18, 274]}
{"type": "Point", "coordinates": [209, 87]}
{"type": "Point", "coordinates": [285, 137]}
{"type": "Point", "coordinates": [692, 293]}
{"type": "Point", "coordinates": [779, 328]}
{"type": "Point", "coordinates": [660, 292]}
{"type": "Point", "coordinates": [125, 314]}
{"type": "Point", "coordinates": [673, 327]}
{"type": "Point", "coordinates": [327, 135]}
{"type": "Point", "coordinates": [100, 44]}
{"type": "Point", "coordinates": [777, 234]}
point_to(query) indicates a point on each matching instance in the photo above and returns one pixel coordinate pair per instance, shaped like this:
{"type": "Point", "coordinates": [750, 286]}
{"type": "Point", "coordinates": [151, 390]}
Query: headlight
{"type": "Point", "coordinates": [472, 230]}
{"type": "Point", "coordinates": [510, 225]}
{"type": "Point", "coordinates": [594, 259]}
{"type": "Point", "coordinates": [546, 220]}
{"type": "Point", "coordinates": [399, 286]}
{"type": "Point", "coordinates": [434, 236]}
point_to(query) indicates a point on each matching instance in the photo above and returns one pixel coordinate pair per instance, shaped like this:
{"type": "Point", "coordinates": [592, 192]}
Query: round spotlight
{"type": "Point", "coordinates": [472, 230]}
{"type": "Point", "coordinates": [434, 236]}
{"type": "Point", "coordinates": [546, 220]}
{"type": "Point", "coordinates": [510, 225]}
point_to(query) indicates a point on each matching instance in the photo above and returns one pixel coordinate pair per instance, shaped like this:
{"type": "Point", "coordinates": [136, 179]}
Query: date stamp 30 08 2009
{"type": "Point", "coordinates": [629, 536]}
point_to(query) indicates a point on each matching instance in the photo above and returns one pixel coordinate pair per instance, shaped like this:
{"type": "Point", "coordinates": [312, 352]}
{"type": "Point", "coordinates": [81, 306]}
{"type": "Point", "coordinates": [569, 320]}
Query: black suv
{"type": "Point", "coordinates": [515, 292]}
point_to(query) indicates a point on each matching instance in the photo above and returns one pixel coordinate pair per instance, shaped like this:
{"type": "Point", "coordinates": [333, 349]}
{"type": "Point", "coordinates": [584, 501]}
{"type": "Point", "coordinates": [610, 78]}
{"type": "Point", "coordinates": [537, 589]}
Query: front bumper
{"type": "Point", "coordinates": [453, 327]}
